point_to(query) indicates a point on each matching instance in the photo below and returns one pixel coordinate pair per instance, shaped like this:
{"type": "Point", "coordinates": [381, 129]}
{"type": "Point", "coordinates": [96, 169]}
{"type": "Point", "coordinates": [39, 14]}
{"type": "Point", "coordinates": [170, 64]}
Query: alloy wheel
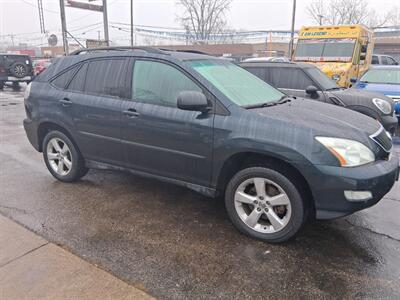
{"type": "Point", "coordinates": [262, 205]}
{"type": "Point", "coordinates": [59, 156]}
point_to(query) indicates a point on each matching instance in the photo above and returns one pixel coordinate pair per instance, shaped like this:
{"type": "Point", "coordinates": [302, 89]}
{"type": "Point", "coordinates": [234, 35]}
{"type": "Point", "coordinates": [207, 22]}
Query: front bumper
{"type": "Point", "coordinates": [329, 183]}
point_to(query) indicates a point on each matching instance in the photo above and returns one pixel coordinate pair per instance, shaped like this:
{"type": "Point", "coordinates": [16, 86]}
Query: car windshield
{"type": "Point", "coordinates": [238, 85]}
{"type": "Point", "coordinates": [389, 76]}
{"type": "Point", "coordinates": [325, 50]}
{"type": "Point", "coordinates": [323, 80]}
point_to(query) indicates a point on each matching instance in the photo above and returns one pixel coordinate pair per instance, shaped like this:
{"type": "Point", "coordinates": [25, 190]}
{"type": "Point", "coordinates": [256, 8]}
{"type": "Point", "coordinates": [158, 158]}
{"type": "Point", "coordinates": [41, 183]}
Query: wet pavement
{"type": "Point", "coordinates": [176, 244]}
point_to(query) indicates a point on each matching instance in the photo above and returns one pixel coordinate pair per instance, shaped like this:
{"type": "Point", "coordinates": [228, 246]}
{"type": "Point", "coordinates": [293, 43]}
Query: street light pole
{"type": "Point", "coordinates": [292, 29]}
{"type": "Point", "coordinates": [105, 21]}
{"type": "Point", "coordinates": [64, 27]}
{"type": "Point", "coordinates": [131, 23]}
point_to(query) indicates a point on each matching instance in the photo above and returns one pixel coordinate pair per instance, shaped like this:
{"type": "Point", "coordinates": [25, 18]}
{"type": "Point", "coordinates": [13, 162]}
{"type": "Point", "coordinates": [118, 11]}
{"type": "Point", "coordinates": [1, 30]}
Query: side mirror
{"type": "Point", "coordinates": [353, 79]}
{"type": "Point", "coordinates": [193, 101]}
{"type": "Point", "coordinates": [364, 48]}
{"type": "Point", "coordinates": [311, 90]}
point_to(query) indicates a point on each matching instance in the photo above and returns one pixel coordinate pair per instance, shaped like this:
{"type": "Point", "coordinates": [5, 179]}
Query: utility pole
{"type": "Point", "coordinates": [131, 23]}
{"type": "Point", "coordinates": [64, 27]}
{"type": "Point", "coordinates": [105, 21]}
{"type": "Point", "coordinates": [320, 17]}
{"type": "Point", "coordinates": [292, 29]}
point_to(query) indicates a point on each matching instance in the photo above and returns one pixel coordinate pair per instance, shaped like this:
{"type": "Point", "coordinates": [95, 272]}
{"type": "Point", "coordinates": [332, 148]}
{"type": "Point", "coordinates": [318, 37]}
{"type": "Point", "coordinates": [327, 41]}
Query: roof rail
{"type": "Point", "coordinates": [187, 51]}
{"type": "Point", "coordinates": [120, 48]}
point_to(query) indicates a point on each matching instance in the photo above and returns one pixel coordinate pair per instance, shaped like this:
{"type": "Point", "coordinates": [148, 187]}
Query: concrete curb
{"type": "Point", "coordinates": [33, 268]}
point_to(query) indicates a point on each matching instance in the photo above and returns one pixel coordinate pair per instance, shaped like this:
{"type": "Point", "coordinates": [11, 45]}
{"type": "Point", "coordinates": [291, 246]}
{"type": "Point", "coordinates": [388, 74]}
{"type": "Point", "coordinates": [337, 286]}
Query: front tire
{"type": "Point", "coordinates": [62, 158]}
{"type": "Point", "coordinates": [264, 204]}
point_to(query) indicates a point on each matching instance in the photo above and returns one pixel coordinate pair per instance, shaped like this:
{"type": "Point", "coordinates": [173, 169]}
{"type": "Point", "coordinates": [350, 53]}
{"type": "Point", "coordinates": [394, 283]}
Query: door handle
{"type": "Point", "coordinates": [130, 113]}
{"type": "Point", "coordinates": [65, 102]}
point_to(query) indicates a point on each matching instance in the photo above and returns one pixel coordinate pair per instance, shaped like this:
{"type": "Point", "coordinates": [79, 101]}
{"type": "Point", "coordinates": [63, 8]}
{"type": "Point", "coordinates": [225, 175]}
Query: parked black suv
{"type": "Point", "coordinates": [307, 81]}
{"type": "Point", "coordinates": [209, 125]}
{"type": "Point", "coordinates": [15, 68]}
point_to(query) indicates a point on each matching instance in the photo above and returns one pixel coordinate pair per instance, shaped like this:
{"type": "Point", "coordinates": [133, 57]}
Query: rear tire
{"type": "Point", "coordinates": [62, 157]}
{"type": "Point", "coordinates": [264, 204]}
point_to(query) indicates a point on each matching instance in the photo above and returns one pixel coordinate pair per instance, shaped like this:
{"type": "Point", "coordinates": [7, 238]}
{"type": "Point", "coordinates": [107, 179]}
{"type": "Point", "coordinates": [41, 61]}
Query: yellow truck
{"type": "Point", "coordinates": [342, 52]}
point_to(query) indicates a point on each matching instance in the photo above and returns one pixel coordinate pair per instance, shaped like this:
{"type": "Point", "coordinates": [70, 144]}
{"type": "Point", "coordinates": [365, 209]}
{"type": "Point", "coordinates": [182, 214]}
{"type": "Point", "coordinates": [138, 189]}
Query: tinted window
{"type": "Point", "coordinates": [384, 60]}
{"type": "Point", "coordinates": [260, 72]}
{"type": "Point", "coordinates": [290, 78]}
{"type": "Point", "coordinates": [321, 78]}
{"type": "Point", "coordinates": [375, 60]}
{"type": "Point", "coordinates": [62, 80]}
{"type": "Point", "coordinates": [106, 77]}
{"type": "Point", "coordinates": [78, 82]}
{"type": "Point", "coordinates": [159, 83]}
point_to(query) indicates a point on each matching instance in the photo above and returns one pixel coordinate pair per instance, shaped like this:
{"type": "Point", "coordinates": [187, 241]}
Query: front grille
{"type": "Point", "coordinates": [382, 139]}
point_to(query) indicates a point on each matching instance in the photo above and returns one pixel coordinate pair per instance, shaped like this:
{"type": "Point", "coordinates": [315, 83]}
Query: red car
{"type": "Point", "coordinates": [40, 65]}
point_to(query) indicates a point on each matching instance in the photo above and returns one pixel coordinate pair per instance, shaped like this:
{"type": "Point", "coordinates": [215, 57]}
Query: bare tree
{"type": "Point", "coordinates": [335, 12]}
{"type": "Point", "coordinates": [204, 18]}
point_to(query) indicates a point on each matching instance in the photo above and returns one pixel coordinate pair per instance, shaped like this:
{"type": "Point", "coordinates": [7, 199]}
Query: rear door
{"type": "Point", "coordinates": [95, 95]}
{"type": "Point", "coordinates": [158, 137]}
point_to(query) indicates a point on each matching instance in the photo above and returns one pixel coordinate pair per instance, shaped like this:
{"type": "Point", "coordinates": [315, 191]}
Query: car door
{"type": "Point", "coordinates": [158, 137]}
{"type": "Point", "coordinates": [95, 95]}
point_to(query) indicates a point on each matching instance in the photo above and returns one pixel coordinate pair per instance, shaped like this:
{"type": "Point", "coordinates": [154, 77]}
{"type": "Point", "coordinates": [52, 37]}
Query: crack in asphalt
{"type": "Point", "coordinates": [26, 253]}
{"type": "Point", "coordinates": [373, 231]}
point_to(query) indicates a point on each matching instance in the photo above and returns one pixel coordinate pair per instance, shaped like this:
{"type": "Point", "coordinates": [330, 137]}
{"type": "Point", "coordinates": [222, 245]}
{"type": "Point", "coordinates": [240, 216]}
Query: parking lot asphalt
{"type": "Point", "coordinates": [176, 244]}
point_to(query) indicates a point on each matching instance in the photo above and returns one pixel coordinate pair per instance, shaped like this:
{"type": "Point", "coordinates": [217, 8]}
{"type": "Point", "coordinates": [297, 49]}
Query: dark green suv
{"type": "Point", "coordinates": [211, 126]}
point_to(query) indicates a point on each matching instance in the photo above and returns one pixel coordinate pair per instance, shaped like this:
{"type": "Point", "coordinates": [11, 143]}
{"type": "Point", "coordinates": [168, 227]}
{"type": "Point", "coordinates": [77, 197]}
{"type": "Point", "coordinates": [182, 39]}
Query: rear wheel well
{"type": "Point", "coordinates": [46, 127]}
{"type": "Point", "coordinates": [245, 160]}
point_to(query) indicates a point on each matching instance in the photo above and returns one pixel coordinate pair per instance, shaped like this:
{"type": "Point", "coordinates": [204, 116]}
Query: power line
{"type": "Point", "coordinates": [34, 5]}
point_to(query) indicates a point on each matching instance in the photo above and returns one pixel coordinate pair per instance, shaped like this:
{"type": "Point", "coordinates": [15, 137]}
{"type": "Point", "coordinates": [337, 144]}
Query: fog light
{"type": "Point", "coordinates": [358, 195]}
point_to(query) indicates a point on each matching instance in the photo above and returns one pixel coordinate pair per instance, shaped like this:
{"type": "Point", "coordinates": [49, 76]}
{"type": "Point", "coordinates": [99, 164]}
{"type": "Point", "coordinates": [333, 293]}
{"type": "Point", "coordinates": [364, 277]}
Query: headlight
{"type": "Point", "coordinates": [349, 153]}
{"type": "Point", "coordinates": [336, 77]}
{"type": "Point", "coordinates": [382, 105]}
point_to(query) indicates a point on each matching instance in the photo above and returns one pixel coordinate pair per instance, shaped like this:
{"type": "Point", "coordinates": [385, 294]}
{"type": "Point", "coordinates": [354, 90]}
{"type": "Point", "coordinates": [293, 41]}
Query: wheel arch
{"type": "Point", "coordinates": [47, 126]}
{"type": "Point", "coordinates": [242, 160]}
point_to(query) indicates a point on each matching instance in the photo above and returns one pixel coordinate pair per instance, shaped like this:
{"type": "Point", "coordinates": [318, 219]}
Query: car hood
{"type": "Point", "coordinates": [386, 89]}
{"type": "Point", "coordinates": [321, 119]}
{"type": "Point", "coordinates": [356, 97]}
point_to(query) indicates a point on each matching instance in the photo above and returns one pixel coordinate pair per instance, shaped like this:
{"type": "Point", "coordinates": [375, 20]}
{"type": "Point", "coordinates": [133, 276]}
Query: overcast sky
{"type": "Point", "coordinates": [21, 16]}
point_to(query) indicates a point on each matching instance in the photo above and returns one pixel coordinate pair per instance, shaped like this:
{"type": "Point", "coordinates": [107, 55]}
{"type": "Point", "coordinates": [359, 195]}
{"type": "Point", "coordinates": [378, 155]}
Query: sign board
{"type": "Point", "coordinates": [82, 5]}
{"type": "Point", "coordinates": [95, 43]}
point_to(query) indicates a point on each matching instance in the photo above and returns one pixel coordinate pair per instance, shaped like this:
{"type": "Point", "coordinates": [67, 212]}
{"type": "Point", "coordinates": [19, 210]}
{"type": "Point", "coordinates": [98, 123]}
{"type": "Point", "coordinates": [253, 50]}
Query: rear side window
{"type": "Point", "coordinates": [290, 78]}
{"type": "Point", "coordinates": [375, 60]}
{"type": "Point", "coordinates": [384, 60]}
{"type": "Point", "coordinates": [107, 77]}
{"type": "Point", "coordinates": [62, 80]}
{"type": "Point", "coordinates": [78, 82]}
{"type": "Point", "coordinates": [159, 83]}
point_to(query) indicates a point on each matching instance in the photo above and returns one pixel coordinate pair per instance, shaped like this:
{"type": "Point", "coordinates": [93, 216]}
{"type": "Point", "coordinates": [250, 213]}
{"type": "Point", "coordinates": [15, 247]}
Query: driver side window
{"type": "Point", "coordinates": [159, 83]}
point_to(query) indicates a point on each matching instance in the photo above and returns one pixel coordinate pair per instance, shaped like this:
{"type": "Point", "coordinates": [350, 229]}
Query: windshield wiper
{"type": "Point", "coordinates": [334, 88]}
{"type": "Point", "coordinates": [283, 99]}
